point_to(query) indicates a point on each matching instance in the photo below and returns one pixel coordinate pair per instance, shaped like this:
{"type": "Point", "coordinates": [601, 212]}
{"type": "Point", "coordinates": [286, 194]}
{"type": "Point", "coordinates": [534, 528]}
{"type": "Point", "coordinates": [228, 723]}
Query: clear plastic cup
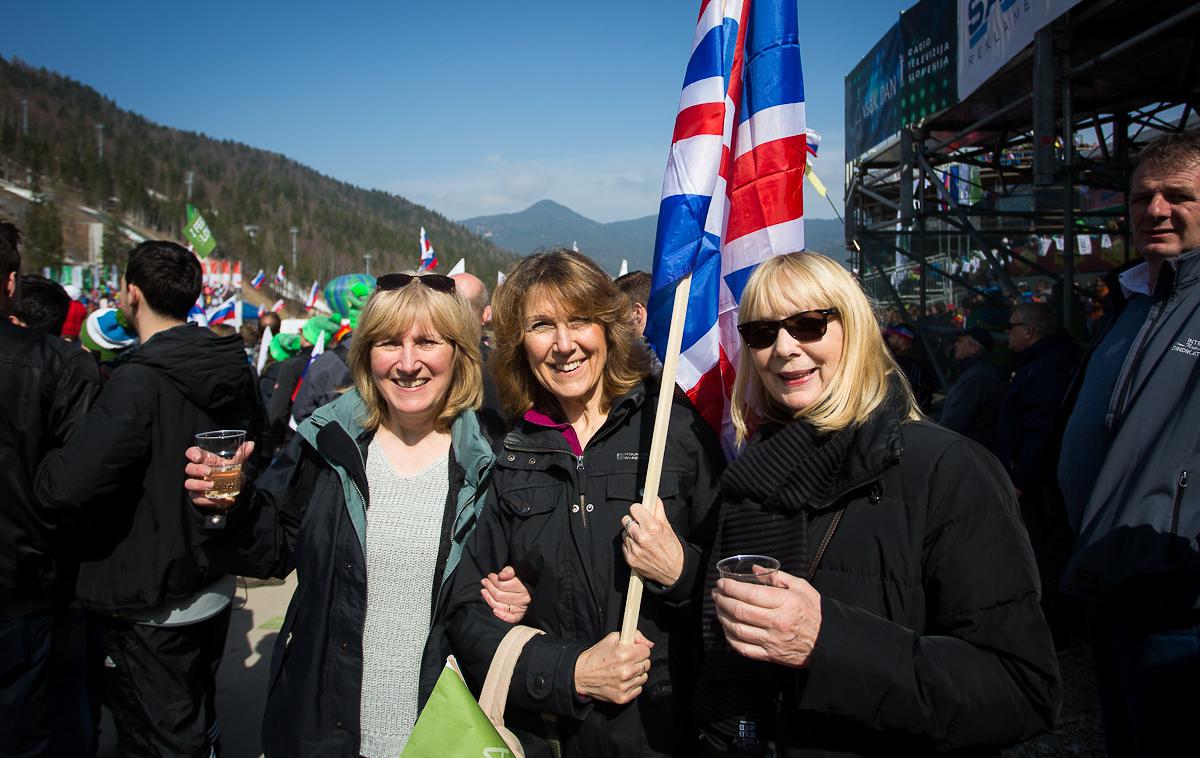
{"type": "Point", "coordinates": [752, 569]}
{"type": "Point", "coordinates": [221, 448]}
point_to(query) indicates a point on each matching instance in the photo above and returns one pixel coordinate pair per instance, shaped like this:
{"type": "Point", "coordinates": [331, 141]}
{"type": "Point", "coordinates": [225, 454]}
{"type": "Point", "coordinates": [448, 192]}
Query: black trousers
{"type": "Point", "coordinates": [44, 708]}
{"type": "Point", "coordinates": [160, 683]}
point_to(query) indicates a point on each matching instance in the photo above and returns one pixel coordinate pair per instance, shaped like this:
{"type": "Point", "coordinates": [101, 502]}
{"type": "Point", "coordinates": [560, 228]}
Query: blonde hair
{"type": "Point", "coordinates": [392, 312]}
{"type": "Point", "coordinates": [795, 282]}
{"type": "Point", "coordinates": [575, 284]}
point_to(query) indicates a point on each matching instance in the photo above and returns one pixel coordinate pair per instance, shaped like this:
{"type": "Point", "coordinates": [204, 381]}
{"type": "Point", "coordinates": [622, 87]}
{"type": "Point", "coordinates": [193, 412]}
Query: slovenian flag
{"type": "Point", "coordinates": [280, 276]}
{"type": "Point", "coordinates": [429, 259]}
{"type": "Point", "coordinates": [733, 191]}
{"type": "Point", "coordinates": [259, 278]}
{"type": "Point", "coordinates": [226, 311]}
{"type": "Point", "coordinates": [312, 296]}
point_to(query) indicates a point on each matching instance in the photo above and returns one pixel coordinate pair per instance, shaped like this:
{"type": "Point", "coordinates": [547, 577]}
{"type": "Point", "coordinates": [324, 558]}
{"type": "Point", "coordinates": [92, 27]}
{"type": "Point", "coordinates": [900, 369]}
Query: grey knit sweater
{"type": "Point", "coordinates": [403, 531]}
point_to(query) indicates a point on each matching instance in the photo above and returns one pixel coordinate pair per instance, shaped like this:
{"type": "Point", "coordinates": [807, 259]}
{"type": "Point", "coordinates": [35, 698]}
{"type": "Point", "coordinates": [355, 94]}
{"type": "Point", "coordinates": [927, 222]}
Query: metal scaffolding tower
{"type": "Point", "coordinates": [1022, 183]}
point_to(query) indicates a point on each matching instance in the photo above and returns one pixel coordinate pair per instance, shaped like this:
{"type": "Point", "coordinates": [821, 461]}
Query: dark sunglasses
{"type": "Point", "coordinates": [804, 327]}
{"type": "Point", "coordinates": [438, 282]}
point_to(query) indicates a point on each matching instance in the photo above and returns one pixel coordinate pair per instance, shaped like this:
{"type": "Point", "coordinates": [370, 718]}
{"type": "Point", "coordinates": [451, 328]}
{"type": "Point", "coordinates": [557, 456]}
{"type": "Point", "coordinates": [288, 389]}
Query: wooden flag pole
{"type": "Point", "coordinates": [658, 444]}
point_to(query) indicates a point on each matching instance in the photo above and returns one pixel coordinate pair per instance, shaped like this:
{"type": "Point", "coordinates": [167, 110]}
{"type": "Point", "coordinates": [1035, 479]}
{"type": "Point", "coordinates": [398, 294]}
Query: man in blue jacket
{"type": "Point", "coordinates": [1130, 450]}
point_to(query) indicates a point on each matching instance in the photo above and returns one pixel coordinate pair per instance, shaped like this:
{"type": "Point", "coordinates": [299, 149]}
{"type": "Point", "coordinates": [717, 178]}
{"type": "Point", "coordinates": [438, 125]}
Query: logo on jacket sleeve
{"type": "Point", "coordinates": [1188, 346]}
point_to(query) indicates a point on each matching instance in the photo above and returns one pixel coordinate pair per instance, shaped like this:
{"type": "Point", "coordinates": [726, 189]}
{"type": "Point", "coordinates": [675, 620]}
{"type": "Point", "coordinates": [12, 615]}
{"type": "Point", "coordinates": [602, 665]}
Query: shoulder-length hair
{"type": "Point", "coordinates": [392, 312]}
{"type": "Point", "coordinates": [578, 288]}
{"type": "Point", "coordinates": [788, 284]}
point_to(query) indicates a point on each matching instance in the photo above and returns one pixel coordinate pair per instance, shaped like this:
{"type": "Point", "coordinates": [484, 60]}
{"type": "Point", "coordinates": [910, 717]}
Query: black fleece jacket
{"type": "Point", "coordinates": [123, 470]}
{"type": "Point", "coordinates": [45, 394]}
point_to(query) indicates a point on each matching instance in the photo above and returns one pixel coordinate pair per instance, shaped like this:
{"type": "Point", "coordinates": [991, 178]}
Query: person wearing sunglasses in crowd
{"type": "Point", "coordinates": [371, 503]}
{"type": "Point", "coordinates": [571, 369]}
{"type": "Point", "coordinates": [904, 619]}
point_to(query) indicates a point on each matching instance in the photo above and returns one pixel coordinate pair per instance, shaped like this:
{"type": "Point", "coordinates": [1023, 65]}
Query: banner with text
{"type": "Point", "coordinates": [991, 32]}
{"type": "Point", "coordinates": [873, 95]}
{"type": "Point", "coordinates": [930, 51]}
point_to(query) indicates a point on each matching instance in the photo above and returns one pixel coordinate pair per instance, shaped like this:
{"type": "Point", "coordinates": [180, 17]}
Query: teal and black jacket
{"type": "Point", "coordinates": [311, 508]}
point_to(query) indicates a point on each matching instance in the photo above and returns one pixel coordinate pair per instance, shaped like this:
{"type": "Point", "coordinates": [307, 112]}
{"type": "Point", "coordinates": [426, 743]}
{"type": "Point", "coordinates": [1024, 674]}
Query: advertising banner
{"type": "Point", "coordinates": [928, 32]}
{"type": "Point", "coordinates": [873, 95]}
{"type": "Point", "coordinates": [991, 32]}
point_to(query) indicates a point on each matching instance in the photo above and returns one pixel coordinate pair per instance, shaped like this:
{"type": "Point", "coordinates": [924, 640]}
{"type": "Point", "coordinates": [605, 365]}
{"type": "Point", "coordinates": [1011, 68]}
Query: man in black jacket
{"type": "Point", "coordinates": [1026, 440]}
{"type": "Point", "coordinates": [44, 397]}
{"type": "Point", "coordinates": [155, 567]}
{"type": "Point", "coordinates": [974, 399]}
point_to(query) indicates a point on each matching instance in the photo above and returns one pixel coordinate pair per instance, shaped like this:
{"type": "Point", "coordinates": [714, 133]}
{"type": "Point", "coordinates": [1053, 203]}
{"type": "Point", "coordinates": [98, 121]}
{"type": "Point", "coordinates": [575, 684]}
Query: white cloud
{"type": "Point", "coordinates": [607, 187]}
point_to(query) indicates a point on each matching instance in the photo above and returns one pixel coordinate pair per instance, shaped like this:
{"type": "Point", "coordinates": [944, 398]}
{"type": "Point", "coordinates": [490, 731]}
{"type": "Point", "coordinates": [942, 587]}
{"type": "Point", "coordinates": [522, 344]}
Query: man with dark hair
{"type": "Point", "coordinates": [973, 401]}
{"type": "Point", "coordinates": [44, 398]}
{"type": "Point", "coordinates": [43, 305]}
{"type": "Point", "coordinates": [1130, 457]}
{"type": "Point", "coordinates": [270, 319]}
{"type": "Point", "coordinates": [160, 571]}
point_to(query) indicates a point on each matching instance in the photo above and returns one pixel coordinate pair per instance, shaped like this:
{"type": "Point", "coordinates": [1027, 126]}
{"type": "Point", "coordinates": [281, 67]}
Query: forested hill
{"type": "Point", "coordinates": [141, 180]}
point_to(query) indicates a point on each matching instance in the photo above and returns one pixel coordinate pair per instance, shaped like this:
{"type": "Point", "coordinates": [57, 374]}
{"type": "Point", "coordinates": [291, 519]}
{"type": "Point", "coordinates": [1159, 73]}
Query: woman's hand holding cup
{"type": "Point", "coordinates": [778, 622]}
{"type": "Point", "coordinates": [200, 466]}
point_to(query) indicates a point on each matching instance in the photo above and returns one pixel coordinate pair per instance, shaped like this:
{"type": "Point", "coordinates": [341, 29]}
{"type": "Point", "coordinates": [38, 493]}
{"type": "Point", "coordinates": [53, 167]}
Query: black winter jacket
{"type": "Point", "coordinates": [304, 510]}
{"type": "Point", "coordinates": [123, 469]}
{"type": "Point", "coordinates": [973, 402]}
{"type": "Point", "coordinates": [45, 394]}
{"type": "Point", "coordinates": [1026, 438]}
{"type": "Point", "coordinates": [931, 637]}
{"type": "Point", "coordinates": [557, 520]}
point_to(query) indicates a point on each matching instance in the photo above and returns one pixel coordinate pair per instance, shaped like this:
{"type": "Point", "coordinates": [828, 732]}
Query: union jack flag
{"type": "Point", "coordinates": [429, 259]}
{"type": "Point", "coordinates": [733, 193]}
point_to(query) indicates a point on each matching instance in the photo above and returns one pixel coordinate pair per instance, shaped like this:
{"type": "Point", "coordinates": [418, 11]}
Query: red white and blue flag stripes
{"type": "Point", "coordinates": [226, 311]}
{"type": "Point", "coordinates": [259, 278]}
{"type": "Point", "coordinates": [733, 192]}
{"type": "Point", "coordinates": [429, 259]}
{"type": "Point", "coordinates": [312, 296]}
{"type": "Point", "coordinates": [280, 275]}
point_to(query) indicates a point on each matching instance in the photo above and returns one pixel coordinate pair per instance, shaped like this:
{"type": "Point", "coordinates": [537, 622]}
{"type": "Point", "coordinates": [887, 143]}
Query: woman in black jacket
{"type": "Point", "coordinates": [371, 503]}
{"type": "Point", "coordinates": [905, 618]}
{"type": "Point", "coordinates": [571, 367]}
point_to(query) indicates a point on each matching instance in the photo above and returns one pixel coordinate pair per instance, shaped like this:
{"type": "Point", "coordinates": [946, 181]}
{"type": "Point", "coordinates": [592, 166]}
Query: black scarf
{"type": "Point", "coordinates": [766, 494]}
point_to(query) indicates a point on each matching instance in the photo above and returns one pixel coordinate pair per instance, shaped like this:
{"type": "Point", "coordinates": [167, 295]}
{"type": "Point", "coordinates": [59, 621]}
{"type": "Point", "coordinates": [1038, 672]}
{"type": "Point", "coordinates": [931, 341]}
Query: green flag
{"type": "Point", "coordinates": [453, 725]}
{"type": "Point", "coordinates": [198, 233]}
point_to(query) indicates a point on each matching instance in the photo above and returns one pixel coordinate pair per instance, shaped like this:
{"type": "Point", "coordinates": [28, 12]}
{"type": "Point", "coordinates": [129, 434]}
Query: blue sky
{"type": "Point", "coordinates": [470, 108]}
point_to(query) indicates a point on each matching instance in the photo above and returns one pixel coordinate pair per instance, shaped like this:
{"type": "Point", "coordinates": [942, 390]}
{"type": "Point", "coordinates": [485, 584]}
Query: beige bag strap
{"type": "Point", "coordinates": [495, 687]}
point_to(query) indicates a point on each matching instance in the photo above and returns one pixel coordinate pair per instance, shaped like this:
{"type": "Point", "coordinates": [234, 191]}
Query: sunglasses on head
{"type": "Point", "coordinates": [438, 282]}
{"type": "Point", "coordinates": [805, 326]}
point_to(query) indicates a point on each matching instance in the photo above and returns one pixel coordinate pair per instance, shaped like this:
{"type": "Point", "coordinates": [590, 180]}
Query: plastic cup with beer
{"type": "Point", "coordinates": [752, 569]}
{"type": "Point", "coordinates": [221, 448]}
